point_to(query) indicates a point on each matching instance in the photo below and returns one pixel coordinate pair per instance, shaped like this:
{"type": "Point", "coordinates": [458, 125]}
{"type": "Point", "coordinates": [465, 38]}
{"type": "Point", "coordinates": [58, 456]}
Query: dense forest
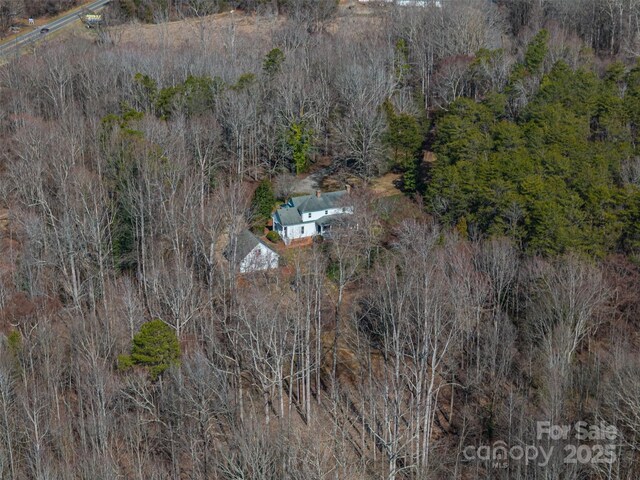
{"type": "Point", "coordinates": [492, 290]}
{"type": "Point", "coordinates": [558, 175]}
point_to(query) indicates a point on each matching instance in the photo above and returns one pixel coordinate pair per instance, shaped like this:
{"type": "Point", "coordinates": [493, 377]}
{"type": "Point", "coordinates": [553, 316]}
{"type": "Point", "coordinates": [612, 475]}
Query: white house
{"type": "Point", "coordinates": [311, 215]}
{"type": "Point", "coordinates": [250, 254]}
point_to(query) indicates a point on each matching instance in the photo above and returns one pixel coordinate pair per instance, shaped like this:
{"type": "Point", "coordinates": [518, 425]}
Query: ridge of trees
{"type": "Point", "coordinates": [552, 177]}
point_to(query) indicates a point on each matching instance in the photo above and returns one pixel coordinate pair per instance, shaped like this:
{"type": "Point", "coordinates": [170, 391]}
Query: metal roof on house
{"type": "Point", "coordinates": [330, 219]}
{"type": "Point", "coordinates": [291, 213]}
{"type": "Point", "coordinates": [315, 203]}
{"type": "Point", "coordinates": [245, 242]}
{"type": "Point", "coordinates": [289, 216]}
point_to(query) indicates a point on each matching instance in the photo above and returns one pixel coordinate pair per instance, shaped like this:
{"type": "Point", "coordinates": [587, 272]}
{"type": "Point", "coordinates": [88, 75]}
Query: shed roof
{"type": "Point", "coordinates": [245, 242]}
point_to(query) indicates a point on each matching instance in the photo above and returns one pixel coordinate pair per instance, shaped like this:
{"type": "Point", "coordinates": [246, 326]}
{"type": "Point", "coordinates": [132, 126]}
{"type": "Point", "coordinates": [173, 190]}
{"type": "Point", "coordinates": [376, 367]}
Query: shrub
{"type": "Point", "coordinates": [155, 346]}
{"type": "Point", "coordinates": [263, 200]}
{"type": "Point", "coordinates": [273, 236]}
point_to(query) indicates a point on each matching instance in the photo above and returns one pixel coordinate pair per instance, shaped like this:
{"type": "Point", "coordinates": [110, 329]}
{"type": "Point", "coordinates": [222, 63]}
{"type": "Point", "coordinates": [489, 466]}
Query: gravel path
{"type": "Point", "coordinates": [313, 181]}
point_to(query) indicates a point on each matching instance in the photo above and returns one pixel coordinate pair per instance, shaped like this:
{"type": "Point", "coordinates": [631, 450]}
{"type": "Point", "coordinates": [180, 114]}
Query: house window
{"type": "Point", "coordinates": [326, 212]}
{"type": "Point", "coordinates": [344, 209]}
{"type": "Point", "coordinates": [285, 231]}
{"type": "Point", "coordinates": [309, 216]}
{"type": "Point", "coordinates": [301, 229]}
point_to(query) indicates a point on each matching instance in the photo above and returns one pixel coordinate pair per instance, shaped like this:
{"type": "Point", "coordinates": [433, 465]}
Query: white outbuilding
{"type": "Point", "coordinates": [251, 254]}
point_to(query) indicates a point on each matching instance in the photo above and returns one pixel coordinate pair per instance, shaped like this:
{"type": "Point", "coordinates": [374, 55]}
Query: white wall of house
{"type": "Point", "coordinates": [260, 258]}
{"type": "Point", "coordinates": [299, 231]}
{"type": "Point", "coordinates": [313, 216]}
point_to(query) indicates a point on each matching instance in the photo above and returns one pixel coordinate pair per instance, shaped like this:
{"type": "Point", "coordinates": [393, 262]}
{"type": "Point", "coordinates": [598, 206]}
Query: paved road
{"type": "Point", "coordinates": [30, 37]}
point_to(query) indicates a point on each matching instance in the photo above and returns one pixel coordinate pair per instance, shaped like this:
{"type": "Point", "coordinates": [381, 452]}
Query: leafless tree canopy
{"type": "Point", "coordinates": [381, 352]}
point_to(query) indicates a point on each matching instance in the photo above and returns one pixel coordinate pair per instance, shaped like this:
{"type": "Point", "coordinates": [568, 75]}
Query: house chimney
{"type": "Point", "coordinates": [318, 193]}
{"type": "Point", "coordinates": [348, 188]}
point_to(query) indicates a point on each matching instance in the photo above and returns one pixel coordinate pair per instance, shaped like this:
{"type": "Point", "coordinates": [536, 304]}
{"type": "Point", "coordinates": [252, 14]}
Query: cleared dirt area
{"type": "Point", "coordinates": [193, 31]}
{"type": "Point", "coordinates": [211, 30]}
{"type": "Point", "coordinates": [387, 185]}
